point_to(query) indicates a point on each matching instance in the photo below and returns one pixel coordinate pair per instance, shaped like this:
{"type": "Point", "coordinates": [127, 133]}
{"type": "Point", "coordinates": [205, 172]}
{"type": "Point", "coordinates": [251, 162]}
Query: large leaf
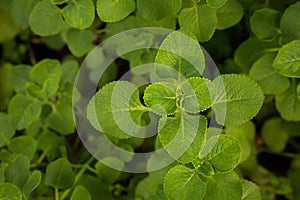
{"type": "Point", "coordinates": [199, 19]}
{"type": "Point", "coordinates": [119, 110]}
{"type": "Point", "coordinates": [289, 24]}
{"type": "Point", "coordinates": [238, 99]}
{"type": "Point", "coordinates": [7, 131]}
{"type": "Point", "coordinates": [80, 13]}
{"type": "Point", "coordinates": [113, 11]}
{"type": "Point", "coordinates": [229, 14]}
{"type": "Point", "coordinates": [287, 61]}
{"type": "Point", "coordinates": [45, 19]}
{"type": "Point", "coordinates": [23, 111]}
{"type": "Point", "coordinates": [158, 9]}
{"type": "Point", "coordinates": [268, 79]}
{"type": "Point", "coordinates": [183, 136]}
{"type": "Point", "coordinates": [183, 183]}
{"type": "Point", "coordinates": [10, 192]}
{"type": "Point", "coordinates": [59, 174]}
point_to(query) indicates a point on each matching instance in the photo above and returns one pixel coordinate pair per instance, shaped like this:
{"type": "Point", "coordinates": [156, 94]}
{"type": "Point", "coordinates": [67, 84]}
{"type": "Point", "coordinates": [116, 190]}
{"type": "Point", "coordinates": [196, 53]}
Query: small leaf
{"type": "Point", "coordinates": [6, 131]}
{"type": "Point", "coordinates": [216, 3]}
{"type": "Point", "coordinates": [200, 20]}
{"type": "Point", "coordinates": [18, 170]}
{"type": "Point", "coordinates": [183, 183]}
{"type": "Point", "coordinates": [223, 152]}
{"type": "Point", "coordinates": [287, 61]}
{"type": "Point", "coordinates": [59, 174]}
{"type": "Point", "coordinates": [69, 72]}
{"type": "Point", "coordinates": [80, 192]}
{"type": "Point", "coordinates": [33, 181]}
{"type": "Point", "coordinates": [268, 79]}
{"type": "Point", "coordinates": [79, 41]}
{"type": "Point", "coordinates": [264, 23]}
{"type": "Point", "coordinates": [19, 76]}
{"type": "Point", "coordinates": [158, 9]}
{"type": "Point", "coordinates": [106, 174]}
{"type": "Point", "coordinates": [58, 2]}
{"type": "Point", "coordinates": [45, 19]}
{"type": "Point", "coordinates": [21, 10]}
{"type": "Point", "coordinates": [289, 25]}
{"type": "Point", "coordinates": [80, 13]}
{"type": "Point", "coordinates": [250, 190]}
{"type": "Point", "coordinates": [238, 99]}
{"type": "Point", "coordinates": [224, 186]}
{"type": "Point", "coordinates": [23, 111]}
{"type": "Point", "coordinates": [161, 98]}
{"type": "Point", "coordinates": [10, 192]}
{"type": "Point", "coordinates": [229, 14]}
{"type": "Point", "coordinates": [7, 26]}
{"type": "Point", "coordinates": [114, 11]}
{"type": "Point", "coordinates": [23, 145]}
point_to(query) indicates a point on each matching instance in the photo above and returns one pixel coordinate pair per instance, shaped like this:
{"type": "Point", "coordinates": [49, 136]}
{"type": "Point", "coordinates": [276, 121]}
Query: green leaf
{"type": "Point", "coordinates": [288, 105]}
{"type": "Point", "coordinates": [23, 111]}
{"type": "Point", "coordinates": [119, 110]}
{"type": "Point", "coordinates": [274, 134]}
{"type": "Point", "coordinates": [69, 72]}
{"type": "Point", "coordinates": [32, 182]}
{"type": "Point", "coordinates": [289, 24]}
{"type": "Point", "coordinates": [80, 192]}
{"type": "Point", "coordinates": [216, 3]}
{"type": "Point", "coordinates": [161, 97]}
{"type": "Point", "coordinates": [20, 10]}
{"type": "Point", "coordinates": [181, 52]}
{"type": "Point", "coordinates": [197, 94]}
{"type": "Point", "coordinates": [47, 73]}
{"type": "Point", "coordinates": [80, 13]}
{"type": "Point", "coordinates": [183, 183]}
{"type": "Point", "coordinates": [158, 9]}
{"type": "Point", "coordinates": [7, 131]}
{"type": "Point", "coordinates": [23, 145]}
{"type": "Point", "coordinates": [264, 23]}
{"type": "Point", "coordinates": [61, 118]}
{"type": "Point", "coordinates": [223, 152]}
{"type": "Point", "coordinates": [58, 2]}
{"type": "Point", "coordinates": [229, 14]}
{"type": "Point", "coordinates": [250, 190]}
{"type": "Point", "coordinates": [200, 20]}
{"type": "Point", "coordinates": [184, 131]}
{"type": "Point", "coordinates": [114, 11]}
{"type": "Point", "coordinates": [18, 170]}
{"type": "Point", "coordinates": [287, 61]}
{"type": "Point", "coordinates": [45, 19]}
{"type": "Point", "coordinates": [238, 99]}
{"type": "Point", "coordinates": [10, 192]}
{"type": "Point", "coordinates": [268, 79]}
{"type": "Point", "coordinates": [19, 76]}
{"type": "Point", "coordinates": [106, 174]}
{"type": "Point", "coordinates": [59, 174]}
{"type": "Point", "coordinates": [79, 41]}
{"type": "Point", "coordinates": [224, 186]}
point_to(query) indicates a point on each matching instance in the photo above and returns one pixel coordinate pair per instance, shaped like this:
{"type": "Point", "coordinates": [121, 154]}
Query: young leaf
{"type": "Point", "coordinates": [161, 97]}
{"type": "Point", "coordinates": [69, 71]}
{"type": "Point", "coordinates": [59, 174]}
{"type": "Point", "coordinates": [10, 191]}
{"type": "Point", "coordinates": [23, 145]}
{"type": "Point", "coordinates": [250, 190]}
{"type": "Point", "coordinates": [80, 192]}
{"type": "Point", "coordinates": [224, 186]}
{"type": "Point", "coordinates": [79, 41]}
{"type": "Point", "coordinates": [32, 182]}
{"type": "Point", "coordinates": [183, 183]}
{"type": "Point", "coordinates": [268, 79]}
{"type": "Point", "coordinates": [182, 136]}
{"type": "Point", "coordinates": [229, 14]}
{"type": "Point", "coordinates": [238, 99]}
{"type": "Point", "coordinates": [7, 131]}
{"type": "Point", "coordinates": [45, 19]}
{"type": "Point", "coordinates": [119, 110]}
{"type": "Point", "coordinates": [289, 25]}
{"type": "Point", "coordinates": [23, 111]}
{"type": "Point", "coordinates": [287, 61]}
{"type": "Point", "coordinates": [200, 20]}
{"type": "Point", "coordinates": [223, 152]}
{"type": "Point", "coordinates": [197, 94]}
{"type": "Point", "coordinates": [80, 13]}
{"type": "Point", "coordinates": [158, 9]}
{"type": "Point", "coordinates": [216, 3]}
{"type": "Point", "coordinates": [18, 170]}
{"type": "Point", "coordinates": [181, 52]}
{"type": "Point", "coordinates": [114, 11]}
{"type": "Point", "coordinates": [264, 23]}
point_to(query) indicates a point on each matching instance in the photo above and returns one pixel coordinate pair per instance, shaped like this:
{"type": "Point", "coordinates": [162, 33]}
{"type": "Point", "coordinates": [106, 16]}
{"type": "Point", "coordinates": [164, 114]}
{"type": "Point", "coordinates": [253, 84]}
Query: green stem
{"type": "Point", "coordinates": [41, 158]}
{"type": "Point", "coordinates": [78, 176]}
{"type": "Point", "coordinates": [275, 49]}
{"type": "Point", "coordinates": [56, 193]}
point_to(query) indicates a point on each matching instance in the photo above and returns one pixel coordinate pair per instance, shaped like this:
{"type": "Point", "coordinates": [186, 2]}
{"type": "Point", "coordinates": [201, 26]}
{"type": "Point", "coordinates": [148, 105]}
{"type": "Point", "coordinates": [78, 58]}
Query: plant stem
{"type": "Point", "coordinates": [56, 193]}
{"type": "Point", "coordinates": [275, 49]}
